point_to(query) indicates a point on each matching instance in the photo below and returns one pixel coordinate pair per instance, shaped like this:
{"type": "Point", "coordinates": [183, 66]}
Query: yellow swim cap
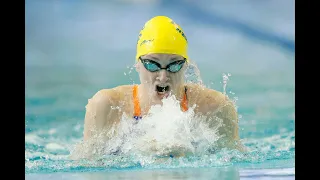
{"type": "Point", "coordinates": [162, 35]}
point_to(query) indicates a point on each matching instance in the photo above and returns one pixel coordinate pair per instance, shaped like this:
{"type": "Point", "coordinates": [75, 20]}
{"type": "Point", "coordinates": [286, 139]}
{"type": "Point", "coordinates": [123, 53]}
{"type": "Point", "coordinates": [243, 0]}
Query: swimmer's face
{"type": "Point", "coordinates": [161, 82]}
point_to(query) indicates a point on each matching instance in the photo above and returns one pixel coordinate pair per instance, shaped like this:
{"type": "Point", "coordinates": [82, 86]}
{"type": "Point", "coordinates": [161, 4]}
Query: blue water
{"type": "Point", "coordinates": [75, 48]}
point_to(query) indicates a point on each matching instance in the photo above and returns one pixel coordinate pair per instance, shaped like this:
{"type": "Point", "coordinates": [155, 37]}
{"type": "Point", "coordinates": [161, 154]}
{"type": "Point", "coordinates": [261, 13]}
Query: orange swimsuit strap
{"type": "Point", "coordinates": [136, 103]}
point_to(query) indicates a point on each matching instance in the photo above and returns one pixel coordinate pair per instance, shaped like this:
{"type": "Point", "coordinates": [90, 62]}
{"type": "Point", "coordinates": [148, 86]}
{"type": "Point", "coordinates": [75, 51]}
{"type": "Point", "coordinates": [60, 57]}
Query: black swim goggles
{"type": "Point", "coordinates": [153, 66]}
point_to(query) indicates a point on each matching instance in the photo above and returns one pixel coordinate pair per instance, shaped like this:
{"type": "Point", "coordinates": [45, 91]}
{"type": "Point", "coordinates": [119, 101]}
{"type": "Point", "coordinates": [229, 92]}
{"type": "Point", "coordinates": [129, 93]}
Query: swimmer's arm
{"type": "Point", "coordinates": [230, 127]}
{"type": "Point", "coordinates": [99, 113]}
{"type": "Point", "coordinates": [217, 105]}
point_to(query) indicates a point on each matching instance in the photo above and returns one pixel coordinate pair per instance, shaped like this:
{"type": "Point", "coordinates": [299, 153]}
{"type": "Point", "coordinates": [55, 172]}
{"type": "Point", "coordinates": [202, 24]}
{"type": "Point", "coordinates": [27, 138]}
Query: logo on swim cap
{"type": "Point", "coordinates": [179, 30]}
{"type": "Point", "coordinates": [145, 41]}
{"type": "Point", "coordinates": [162, 35]}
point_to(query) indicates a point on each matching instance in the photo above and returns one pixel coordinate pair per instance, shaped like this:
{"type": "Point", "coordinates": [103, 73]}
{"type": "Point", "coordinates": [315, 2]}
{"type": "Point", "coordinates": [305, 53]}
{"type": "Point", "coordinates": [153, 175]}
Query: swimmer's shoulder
{"type": "Point", "coordinates": [112, 96]}
{"type": "Point", "coordinates": [105, 108]}
{"type": "Point", "coordinates": [205, 97]}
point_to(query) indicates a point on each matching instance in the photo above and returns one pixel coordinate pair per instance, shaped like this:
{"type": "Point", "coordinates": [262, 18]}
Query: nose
{"type": "Point", "coordinates": [162, 76]}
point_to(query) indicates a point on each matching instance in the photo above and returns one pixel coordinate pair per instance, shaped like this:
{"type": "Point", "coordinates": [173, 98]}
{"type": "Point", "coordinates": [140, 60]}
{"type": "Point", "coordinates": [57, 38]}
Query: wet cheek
{"type": "Point", "coordinates": [179, 79]}
{"type": "Point", "coordinates": [148, 77]}
{"type": "Point", "coordinates": [175, 77]}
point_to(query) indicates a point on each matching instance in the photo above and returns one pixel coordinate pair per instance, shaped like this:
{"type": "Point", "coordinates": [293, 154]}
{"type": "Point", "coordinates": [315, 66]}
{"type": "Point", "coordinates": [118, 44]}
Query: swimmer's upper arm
{"type": "Point", "coordinates": [225, 110]}
{"type": "Point", "coordinates": [99, 112]}
{"type": "Point", "coordinates": [229, 116]}
{"type": "Point", "coordinates": [230, 128]}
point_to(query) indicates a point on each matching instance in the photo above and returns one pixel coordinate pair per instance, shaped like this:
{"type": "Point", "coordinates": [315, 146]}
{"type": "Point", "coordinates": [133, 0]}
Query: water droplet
{"type": "Point", "coordinates": [225, 81]}
{"type": "Point", "coordinates": [232, 93]}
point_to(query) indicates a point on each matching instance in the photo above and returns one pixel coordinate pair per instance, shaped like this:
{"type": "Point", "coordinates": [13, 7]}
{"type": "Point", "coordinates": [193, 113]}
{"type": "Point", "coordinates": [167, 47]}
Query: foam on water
{"type": "Point", "coordinates": [165, 131]}
{"type": "Point", "coordinates": [149, 143]}
{"type": "Point", "coordinates": [276, 151]}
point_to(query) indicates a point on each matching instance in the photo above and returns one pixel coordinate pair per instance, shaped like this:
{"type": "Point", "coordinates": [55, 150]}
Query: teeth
{"type": "Point", "coordinates": [161, 88]}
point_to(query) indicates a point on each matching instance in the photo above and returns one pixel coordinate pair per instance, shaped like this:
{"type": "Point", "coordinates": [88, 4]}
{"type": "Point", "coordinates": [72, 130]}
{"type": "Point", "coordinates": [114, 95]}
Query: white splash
{"type": "Point", "coordinates": [192, 74]}
{"type": "Point", "coordinates": [225, 79]}
{"type": "Point", "coordinates": [165, 131]}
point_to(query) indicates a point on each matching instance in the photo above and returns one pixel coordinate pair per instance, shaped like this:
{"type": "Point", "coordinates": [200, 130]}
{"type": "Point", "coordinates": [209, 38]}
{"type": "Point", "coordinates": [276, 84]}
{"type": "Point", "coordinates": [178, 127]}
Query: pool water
{"type": "Point", "coordinates": [65, 66]}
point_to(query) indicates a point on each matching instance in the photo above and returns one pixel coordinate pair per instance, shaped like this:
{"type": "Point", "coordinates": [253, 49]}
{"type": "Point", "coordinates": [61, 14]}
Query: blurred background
{"type": "Point", "coordinates": [75, 48]}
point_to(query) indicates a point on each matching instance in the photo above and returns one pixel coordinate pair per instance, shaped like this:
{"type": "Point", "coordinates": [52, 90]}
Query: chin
{"type": "Point", "coordinates": [157, 98]}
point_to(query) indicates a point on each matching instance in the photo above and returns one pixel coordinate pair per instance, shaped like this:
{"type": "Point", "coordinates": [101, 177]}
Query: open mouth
{"type": "Point", "coordinates": [162, 89]}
